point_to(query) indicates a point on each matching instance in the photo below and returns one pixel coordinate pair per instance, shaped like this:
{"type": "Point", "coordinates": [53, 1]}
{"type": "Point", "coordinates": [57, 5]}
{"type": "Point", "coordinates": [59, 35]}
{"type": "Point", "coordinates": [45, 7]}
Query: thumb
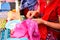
{"type": "Point", "coordinates": [33, 14]}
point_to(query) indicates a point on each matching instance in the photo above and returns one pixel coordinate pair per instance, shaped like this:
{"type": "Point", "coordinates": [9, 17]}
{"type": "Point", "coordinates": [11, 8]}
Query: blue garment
{"type": "Point", "coordinates": [5, 34]}
{"type": "Point", "coordinates": [5, 6]}
{"type": "Point", "coordinates": [17, 39]}
{"type": "Point", "coordinates": [27, 4]}
{"type": "Point", "coordinates": [11, 24]}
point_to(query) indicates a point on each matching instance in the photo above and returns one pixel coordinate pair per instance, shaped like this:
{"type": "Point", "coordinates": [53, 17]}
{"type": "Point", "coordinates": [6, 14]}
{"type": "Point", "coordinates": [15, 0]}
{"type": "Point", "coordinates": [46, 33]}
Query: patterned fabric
{"type": "Point", "coordinates": [27, 4]}
{"type": "Point", "coordinates": [2, 23]}
{"type": "Point", "coordinates": [4, 34]}
{"type": "Point", "coordinates": [50, 37]}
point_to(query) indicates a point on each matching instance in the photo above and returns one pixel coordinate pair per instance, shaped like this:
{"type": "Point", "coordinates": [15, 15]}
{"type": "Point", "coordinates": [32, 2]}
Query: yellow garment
{"type": "Point", "coordinates": [2, 23]}
{"type": "Point", "coordinates": [13, 15]}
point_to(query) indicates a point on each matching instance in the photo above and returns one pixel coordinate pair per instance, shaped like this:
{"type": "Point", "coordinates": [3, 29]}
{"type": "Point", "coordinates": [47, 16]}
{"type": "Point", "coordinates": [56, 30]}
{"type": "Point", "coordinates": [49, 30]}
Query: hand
{"type": "Point", "coordinates": [31, 14]}
{"type": "Point", "coordinates": [38, 20]}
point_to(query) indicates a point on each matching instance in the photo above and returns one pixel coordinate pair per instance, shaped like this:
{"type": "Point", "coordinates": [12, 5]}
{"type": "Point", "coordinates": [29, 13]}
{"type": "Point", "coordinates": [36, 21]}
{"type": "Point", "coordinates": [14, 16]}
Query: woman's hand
{"type": "Point", "coordinates": [47, 23]}
{"type": "Point", "coordinates": [39, 20]}
{"type": "Point", "coordinates": [31, 14]}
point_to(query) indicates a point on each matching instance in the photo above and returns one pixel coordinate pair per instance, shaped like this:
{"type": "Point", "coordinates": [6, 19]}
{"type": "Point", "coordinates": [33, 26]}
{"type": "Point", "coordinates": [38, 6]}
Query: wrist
{"type": "Point", "coordinates": [44, 22]}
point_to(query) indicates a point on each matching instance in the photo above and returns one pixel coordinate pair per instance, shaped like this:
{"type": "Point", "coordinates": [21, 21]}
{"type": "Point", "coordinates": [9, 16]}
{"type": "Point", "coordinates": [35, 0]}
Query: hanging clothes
{"type": "Point", "coordinates": [10, 0]}
{"type": "Point", "coordinates": [27, 4]}
{"type": "Point", "coordinates": [12, 5]}
{"type": "Point", "coordinates": [5, 6]}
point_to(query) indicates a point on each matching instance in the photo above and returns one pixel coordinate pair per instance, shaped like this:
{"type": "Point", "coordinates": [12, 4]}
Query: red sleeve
{"type": "Point", "coordinates": [58, 10]}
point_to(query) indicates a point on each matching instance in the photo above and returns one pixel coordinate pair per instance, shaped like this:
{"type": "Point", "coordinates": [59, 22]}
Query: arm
{"type": "Point", "coordinates": [52, 25]}
{"type": "Point", "coordinates": [59, 19]}
{"type": "Point", "coordinates": [47, 23]}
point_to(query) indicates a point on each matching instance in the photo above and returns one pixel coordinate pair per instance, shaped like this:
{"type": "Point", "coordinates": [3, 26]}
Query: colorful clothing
{"type": "Point", "coordinates": [50, 13]}
{"type": "Point", "coordinates": [27, 4]}
{"type": "Point", "coordinates": [5, 6]}
{"type": "Point", "coordinates": [27, 29]}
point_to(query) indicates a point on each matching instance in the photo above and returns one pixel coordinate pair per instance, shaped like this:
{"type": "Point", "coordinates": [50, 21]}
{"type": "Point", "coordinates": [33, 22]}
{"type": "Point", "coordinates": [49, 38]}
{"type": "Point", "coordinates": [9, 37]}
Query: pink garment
{"type": "Point", "coordinates": [10, 0]}
{"type": "Point", "coordinates": [28, 29]}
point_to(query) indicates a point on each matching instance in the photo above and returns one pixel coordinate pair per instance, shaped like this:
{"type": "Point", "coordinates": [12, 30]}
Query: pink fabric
{"type": "Point", "coordinates": [28, 28]}
{"type": "Point", "coordinates": [10, 0]}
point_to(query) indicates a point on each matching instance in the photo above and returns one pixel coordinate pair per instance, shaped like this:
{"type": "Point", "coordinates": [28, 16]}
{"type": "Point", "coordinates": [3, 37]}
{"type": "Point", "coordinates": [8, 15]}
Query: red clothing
{"type": "Point", "coordinates": [49, 13]}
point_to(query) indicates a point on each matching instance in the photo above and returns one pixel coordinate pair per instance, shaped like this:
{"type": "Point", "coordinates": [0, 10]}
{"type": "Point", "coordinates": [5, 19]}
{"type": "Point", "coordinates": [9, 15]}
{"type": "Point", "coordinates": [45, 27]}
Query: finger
{"type": "Point", "coordinates": [34, 19]}
{"type": "Point", "coordinates": [33, 14]}
{"type": "Point", "coordinates": [28, 14]}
